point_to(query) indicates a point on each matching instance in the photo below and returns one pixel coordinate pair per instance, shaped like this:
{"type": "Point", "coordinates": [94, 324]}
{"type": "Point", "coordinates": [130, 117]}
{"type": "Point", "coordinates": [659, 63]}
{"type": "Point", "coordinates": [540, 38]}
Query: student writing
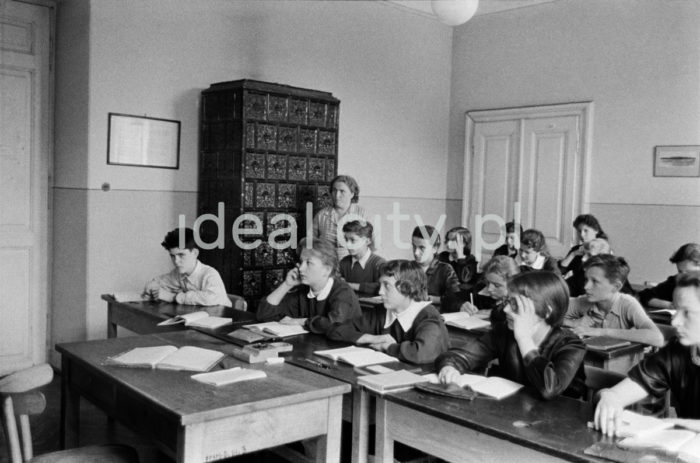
{"type": "Point", "coordinates": [310, 295]}
{"type": "Point", "coordinates": [407, 325]}
{"type": "Point", "coordinates": [494, 295]}
{"type": "Point", "coordinates": [604, 311]}
{"type": "Point", "coordinates": [190, 282]}
{"type": "Point", "coordinates": [674, 368]}
{"type": "Point", "coordinates": [536, 350]}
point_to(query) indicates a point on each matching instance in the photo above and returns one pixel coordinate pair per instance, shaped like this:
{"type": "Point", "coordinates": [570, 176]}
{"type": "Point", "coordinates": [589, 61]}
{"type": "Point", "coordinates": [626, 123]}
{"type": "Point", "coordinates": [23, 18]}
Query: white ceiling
{"type": "Point", "coordinates": [485, 6]}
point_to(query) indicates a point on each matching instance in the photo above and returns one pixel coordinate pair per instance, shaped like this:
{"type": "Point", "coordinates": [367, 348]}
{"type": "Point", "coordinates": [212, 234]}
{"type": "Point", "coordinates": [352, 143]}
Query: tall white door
{"type": "Point", "coordinates": [534, 157]}
{"type": "Point", "coordinates": [24, 180]}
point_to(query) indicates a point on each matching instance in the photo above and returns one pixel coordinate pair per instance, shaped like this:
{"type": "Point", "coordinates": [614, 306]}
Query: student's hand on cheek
{"type": "Point", "coordinates": [525, 320]}
{"type": "Point", "coordinates": [448, 375]}
{"type": "Point", "coordinates": [293, 279]}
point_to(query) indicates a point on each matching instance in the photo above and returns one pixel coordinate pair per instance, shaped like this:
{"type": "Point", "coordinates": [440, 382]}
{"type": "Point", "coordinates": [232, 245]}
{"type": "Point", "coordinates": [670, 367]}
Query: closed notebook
{"type": "Point", "coordinates": [278, 329]}
{"type": "Point", "coordinates": [168, 357]}
{"type": "Point", "coordinates": [232, 375]}
{"type": "Point", "coordinates": [199, 319]}
{"type": "Point", "coordinates": [465, 321]}
{"type": "Point", "coordinates": [357, 356]}
{"type": "Point", "coordinates": [605, 343]}
{"type": "Point", "coordinates": [492, 386]}
{"type": "Point", "coordinates": [393, 381]}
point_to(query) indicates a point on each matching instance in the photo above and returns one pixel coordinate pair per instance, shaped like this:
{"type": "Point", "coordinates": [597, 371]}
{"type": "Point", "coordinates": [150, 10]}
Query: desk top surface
{"type": "Point", "coordinates": [306, 345]}
{"type": "Point", "coordinates": [164, 310]}
{"type": "Point", "coordinates": [176, 393]}
{"type": "Point", "coordinates": [556, 427]}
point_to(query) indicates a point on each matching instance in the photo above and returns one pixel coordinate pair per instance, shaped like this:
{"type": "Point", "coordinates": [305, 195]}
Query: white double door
{"type": "Point", "coordinates": [533, 158]}
{"type": "Point", "coordinates": [24, 183]}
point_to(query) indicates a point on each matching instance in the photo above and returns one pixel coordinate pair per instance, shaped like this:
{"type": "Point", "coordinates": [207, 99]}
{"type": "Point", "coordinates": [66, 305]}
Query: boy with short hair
{"type": "Point", "coordinates": [675, 367]}
{"type": "Point", "coordinates": [604, 311]}
{"type": "Point", "coordinates": [190, 282]}
{"type": "Point", "coordinates": [406, 326]}
{"type": "Point", "coordinates": [361, 269]}
{"type": "Point", "coordinates": [443, 283]}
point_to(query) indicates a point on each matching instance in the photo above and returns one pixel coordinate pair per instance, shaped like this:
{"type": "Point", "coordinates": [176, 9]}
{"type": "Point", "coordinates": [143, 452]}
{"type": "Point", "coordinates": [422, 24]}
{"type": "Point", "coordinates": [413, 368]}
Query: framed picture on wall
{"type": "Point", "coordinates": [677, 161]}
{"type": "Point", "coordinates": [143, 141]}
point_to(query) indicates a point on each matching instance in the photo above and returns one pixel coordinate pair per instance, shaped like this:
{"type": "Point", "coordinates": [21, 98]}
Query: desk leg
{"type": "Point", "coordinates": [111, 326]}
{"type": "Point", "coordinates": [328, 446]}
{"type": "Point", "coordinates": [360, 425]}
{"type": "Point", "coordinates": [70, 409]}
{"type": "Point", "coordinates": [383, 444]}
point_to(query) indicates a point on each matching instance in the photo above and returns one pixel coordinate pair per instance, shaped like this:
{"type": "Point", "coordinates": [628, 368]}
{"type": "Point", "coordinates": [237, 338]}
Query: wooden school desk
{"type": "Point", "coordinates": [143, 317]}
{"type": "Point", "coordinates": [522, 428]}
{"type": "Point", "coordinates": [194, 422]}
{"type": "Point", "coordinates": [358, 407]}
{"type": "Point", "coordinates": [619, 359]}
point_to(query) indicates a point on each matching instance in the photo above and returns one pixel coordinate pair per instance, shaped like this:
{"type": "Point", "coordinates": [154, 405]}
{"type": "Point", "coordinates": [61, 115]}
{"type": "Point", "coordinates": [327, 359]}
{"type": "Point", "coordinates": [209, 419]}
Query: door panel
{"type": "Point", "coordinates": [495, 167]}
{"type": "Point", "coordinates": [535, 157]}
{"type": "Point", "coordinates": [24, 179]}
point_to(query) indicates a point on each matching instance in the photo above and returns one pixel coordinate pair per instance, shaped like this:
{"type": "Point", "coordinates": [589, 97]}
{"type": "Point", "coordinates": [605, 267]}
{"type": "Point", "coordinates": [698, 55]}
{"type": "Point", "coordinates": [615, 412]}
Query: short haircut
{"type": "Point", "coordinates": [364, 229]}
{"type": "Point", "coordinates": [351, 183]}
{"type": "Point", "coordinates": [410, 278]}
{"type": "Point", "coordinates": [615, 268]}
{"type": "Point", "coordinates": [172, 239]}
{"type": "Point", "coordinates": [689, 280]}
{"type": "Point", "coordinates": [323, 250]}
{"type": "Point", "coordinates": [466, 237]}
{"type": "Point", "coordinates": [599, 245]}
{"type": "Point", "coordinates": [430, 235]}
{"type": "Point", "coordinates": [510, 228]}
{"type": "Point", "coordinates": [547, 291]}
{"type": "Point", "coordinates": [533, 239]}
{"type": "Point", "coordinates": [689, 251]}
{"type": "Point", "coordinates": [590, 221]}
{"type": "Point", "coordinates": [503, 266]}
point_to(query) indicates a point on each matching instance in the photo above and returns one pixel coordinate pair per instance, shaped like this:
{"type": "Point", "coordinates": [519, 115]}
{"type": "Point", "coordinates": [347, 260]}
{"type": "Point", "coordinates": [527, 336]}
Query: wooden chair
{"type": "Point", "coordinates": [19, 400]}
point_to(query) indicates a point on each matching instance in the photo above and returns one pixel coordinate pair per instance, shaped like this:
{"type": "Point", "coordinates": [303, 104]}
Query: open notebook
{"type": "Point", "coordinates": [199, 319]}
{"type": "Point", "coordinates": [356, 356]}
{"type": "Point", "coordinates": [169, 358]}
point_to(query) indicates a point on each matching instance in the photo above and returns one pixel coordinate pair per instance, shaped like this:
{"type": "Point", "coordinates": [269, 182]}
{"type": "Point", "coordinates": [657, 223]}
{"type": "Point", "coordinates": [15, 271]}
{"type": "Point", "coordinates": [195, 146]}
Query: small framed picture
{"type": "Point", "coordinates": [143, 141]}
{"type": "Point", "coordinates": [677, 161]}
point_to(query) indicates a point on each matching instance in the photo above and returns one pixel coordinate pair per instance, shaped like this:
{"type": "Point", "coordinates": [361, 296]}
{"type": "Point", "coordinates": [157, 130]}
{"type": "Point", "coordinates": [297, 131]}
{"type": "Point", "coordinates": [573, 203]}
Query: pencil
{"type": "Point", "coordinates": [471, 298]}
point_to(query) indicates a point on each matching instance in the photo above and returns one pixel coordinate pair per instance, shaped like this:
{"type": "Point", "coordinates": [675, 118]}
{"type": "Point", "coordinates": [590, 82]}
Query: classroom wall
{"type": "Point", "coordinates": [640, 63]}
{"type": "Point", "coordinates": [389, 68]}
